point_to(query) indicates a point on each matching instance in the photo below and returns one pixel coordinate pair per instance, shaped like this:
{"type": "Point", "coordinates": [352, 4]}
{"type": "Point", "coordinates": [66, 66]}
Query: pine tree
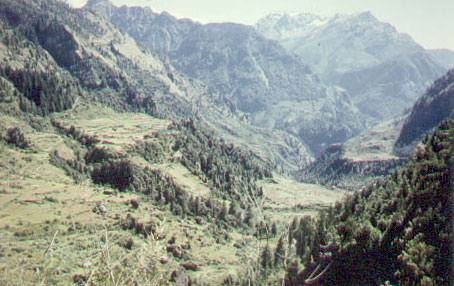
{"type": "Point", "coordinates": [274, 229]}
{"type": "Point", "coordinates": [265, 258]}
{"type": "Point", "coordinates": [223, 212]}
{"type": "Point", "coordinates": [279, 253]}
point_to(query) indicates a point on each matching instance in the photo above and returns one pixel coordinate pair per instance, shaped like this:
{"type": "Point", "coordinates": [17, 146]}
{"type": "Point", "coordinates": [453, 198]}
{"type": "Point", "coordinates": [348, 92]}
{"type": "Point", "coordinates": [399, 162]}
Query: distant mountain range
{"type": "Point", "coordinates": [270, 74]}
{"type": "Point", "coordinates": [273, 88]}
{"type": "Point", "coordinates": [147, 151]}
{"type": "Point", "coordinates": [249, 89]}
{"type": "Point", "coordinates": [383, 70]}
{"type": "Point", "coordinates": [110, 67]}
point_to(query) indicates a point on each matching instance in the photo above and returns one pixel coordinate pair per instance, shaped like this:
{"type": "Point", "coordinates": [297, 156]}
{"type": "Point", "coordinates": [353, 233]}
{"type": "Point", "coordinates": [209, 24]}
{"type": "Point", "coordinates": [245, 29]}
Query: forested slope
{"type": "Point", "coordinates": [398, 229]}
{"type": "Point", "coordinates": [110, 173]}
{"type": "Point", "coordinates": [375, 152]}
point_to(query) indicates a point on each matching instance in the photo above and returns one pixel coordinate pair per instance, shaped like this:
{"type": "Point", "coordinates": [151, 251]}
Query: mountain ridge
{"type": "Point", "coordinates": [255, 74]}
{"type": "Point", "coordinates": [115, 168]}
{"type": "Point", "coordinates": [436, 104]}
{"type": "Point", "coordinates": [349, 50]}
{"type": "Point", "coordinates": [101, 152]}
{"type": "Point", "coordinates": [215, 110]}
{"type": "Point", "coordinates": [376, 152]}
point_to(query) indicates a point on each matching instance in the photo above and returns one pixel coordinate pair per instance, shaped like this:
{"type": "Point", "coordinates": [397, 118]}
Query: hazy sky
{"type": "Point", "coordinates": [429, 22]}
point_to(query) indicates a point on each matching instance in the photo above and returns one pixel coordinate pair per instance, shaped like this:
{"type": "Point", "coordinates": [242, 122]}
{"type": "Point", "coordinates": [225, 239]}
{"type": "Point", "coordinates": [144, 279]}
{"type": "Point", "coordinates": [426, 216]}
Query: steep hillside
{"type": "Point", "coordinates": [385, 90]}
{"type": "Point", "coordinates": [102, 184]}
{"type": "Point", "coordinates": [358, 161]}
{"type": "Point", "coordinates": [107, 174]}
{"type": "Point", "coordinates": [102, 59]}
{"type": "Point", "coordinates": [90, 187]}
{"type": "Point", "coordinates": [435, 105]}
{"type": "Point", "coordinates": [383, 70]}
{"type": "Point", "coordinates": [397, 231]}
{"type": "Point", "coordinates": [108, 63]}
{"type": "Point", "coordinates": [271, 87]}
{"type": "Point", "coordinates": [375, 152]}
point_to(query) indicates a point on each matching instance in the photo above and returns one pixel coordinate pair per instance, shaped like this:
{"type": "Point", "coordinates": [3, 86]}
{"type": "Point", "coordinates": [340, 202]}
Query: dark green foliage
{"type": "Point", "coordinates": [73, 132]}
{"type": "Point", "coordinates": [98, 155]}
{"type": "Point", "coordinates": [232, 171]}
{"type": "Point", "coordinates": [265, 258]}
{"type": "Point", "coordinates": [41, 29]}
{"type": "Point", "coordinates": [108, 167]}
{"type": "Point", "coordinates": [152, 151]}
{"type": "Point", "coordinates": [279, 253]}
{"type": "Point", "coordinates": [223, 212]}
{"type": "Point", "coordinates": [132, 223]}
{"type": "Point", "coordinates": [273, 229]}
{"type": "Point", "coordinates": [118, 174]}
{"type": "Point", "coordinates": [58, 41]}
{"type": "Point", "coordinates": [43, 92]}
{"type": "Point", "coordinates": [16, 137]}
{"type": "Point", "coordinates": [51, 26]}
{"type": "Point", "coordinates": [397, 230]}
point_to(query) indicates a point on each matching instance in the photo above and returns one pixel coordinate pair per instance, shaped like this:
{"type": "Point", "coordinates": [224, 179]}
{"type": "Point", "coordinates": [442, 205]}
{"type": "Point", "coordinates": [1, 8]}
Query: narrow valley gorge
{"type": "Point", "coordinates": [140, 148]}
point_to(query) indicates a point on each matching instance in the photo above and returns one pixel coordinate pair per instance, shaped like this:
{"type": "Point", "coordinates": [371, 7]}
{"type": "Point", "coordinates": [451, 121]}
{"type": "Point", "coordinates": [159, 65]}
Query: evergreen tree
{"type": "Point", "coordinates": [279, 253]}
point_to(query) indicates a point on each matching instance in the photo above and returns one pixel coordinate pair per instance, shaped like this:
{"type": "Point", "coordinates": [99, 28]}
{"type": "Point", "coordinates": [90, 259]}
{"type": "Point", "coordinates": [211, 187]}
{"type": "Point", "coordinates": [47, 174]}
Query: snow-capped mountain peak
{"type": "Point", "coordinates": [362, 54]}
{"type": "Point", "coordinates": [288, 25]}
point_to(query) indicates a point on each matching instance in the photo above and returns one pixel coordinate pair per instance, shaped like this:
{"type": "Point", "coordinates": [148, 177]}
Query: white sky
{"type": "Point", "coordinates": [429, 22]}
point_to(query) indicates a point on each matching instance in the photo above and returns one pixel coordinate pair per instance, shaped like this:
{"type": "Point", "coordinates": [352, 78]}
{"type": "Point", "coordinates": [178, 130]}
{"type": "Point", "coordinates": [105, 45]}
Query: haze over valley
{"type": "Point", "coordinates": [141, 148]}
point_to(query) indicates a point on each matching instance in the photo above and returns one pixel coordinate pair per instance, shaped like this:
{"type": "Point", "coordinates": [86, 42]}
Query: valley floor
{"type": "Point", "coordinates": [54, 230]}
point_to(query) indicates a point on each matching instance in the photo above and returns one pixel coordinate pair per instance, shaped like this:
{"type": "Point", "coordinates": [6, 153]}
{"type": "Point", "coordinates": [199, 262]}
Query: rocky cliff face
{"type": "Point", "coordinates": [383, 70]}
{"type": "Point", "coordinates": [271, 87]}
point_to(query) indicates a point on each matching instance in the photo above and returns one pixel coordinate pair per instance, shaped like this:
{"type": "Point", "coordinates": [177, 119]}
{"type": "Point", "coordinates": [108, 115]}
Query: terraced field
{"type": "Point", "coordinates": [73, 231]}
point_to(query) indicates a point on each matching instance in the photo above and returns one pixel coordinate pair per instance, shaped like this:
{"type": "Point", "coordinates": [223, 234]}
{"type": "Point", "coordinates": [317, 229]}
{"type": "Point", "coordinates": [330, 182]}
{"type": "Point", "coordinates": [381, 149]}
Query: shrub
{"type": "Point", "coordinates": [118, 174]}
{"type": "Point", "coordinates": [16, 137]}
